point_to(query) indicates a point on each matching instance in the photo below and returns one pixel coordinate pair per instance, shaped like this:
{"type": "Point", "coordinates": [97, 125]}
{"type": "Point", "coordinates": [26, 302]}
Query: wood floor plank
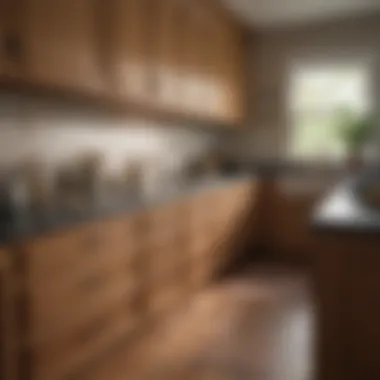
{"type": "Point", "coordinates": [257, 326]}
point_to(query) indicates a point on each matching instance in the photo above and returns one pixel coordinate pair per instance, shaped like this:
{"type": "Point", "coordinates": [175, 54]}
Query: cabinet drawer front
{"type": "Point", "coordinates": [118, 238]}
{"type": "Point", "coordinates": [200, 275]}
{"type": "Point", "coordinates": [167, 298]}
{"type": "Point", "coordinates": [58, 255]}
{"type": "Point", "coordinates": [60, 359]}
{"type": "Point", "coordinates": [164, 261]}
{"type": "Point", "coordinates": [65, 257]}
{"type": "Point", "coordinates": [165, 225]}
{"type": "Point", "coordinates": [74, 306]}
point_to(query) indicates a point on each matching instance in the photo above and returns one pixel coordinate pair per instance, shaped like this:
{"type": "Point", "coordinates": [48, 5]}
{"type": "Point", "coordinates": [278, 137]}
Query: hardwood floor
{"type": "Point", "coordinates": [257, 326]}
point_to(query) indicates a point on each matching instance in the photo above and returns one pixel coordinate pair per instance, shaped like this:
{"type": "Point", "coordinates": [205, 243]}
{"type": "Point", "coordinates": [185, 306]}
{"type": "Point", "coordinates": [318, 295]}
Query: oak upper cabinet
{"type": "Point", "coordinates": [226, 70]}
{"type": "Point", "coordinates": [170, 43]}
{"type": "Point", "coordinates": [213, 84]}
{"type": "Point", "coordinates": [195, 55]}
{"type": "Point", "coordinates": [129, 53]}
{"type": "Point", "coordinates": [233, 71]}
{"type": "Point", "coordinates": [198, 76]}
{"type": "Point", "coordinates": [63, 44]}
{"type": "Point", "coordinates": [12, 49]}
{"type": "Point", "coordinates": [215, 77]}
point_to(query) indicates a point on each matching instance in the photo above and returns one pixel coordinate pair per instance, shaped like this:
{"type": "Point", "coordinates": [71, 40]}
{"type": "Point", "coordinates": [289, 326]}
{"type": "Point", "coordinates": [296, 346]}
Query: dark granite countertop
{"type": "Point", "coordinates": [341, 210]}
{"type": "Point", "coordinates": [31, 224]}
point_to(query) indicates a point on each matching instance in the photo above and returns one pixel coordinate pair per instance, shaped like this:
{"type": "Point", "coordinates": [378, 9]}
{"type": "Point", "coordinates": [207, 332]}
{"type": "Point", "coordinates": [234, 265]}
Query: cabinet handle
{"type": "Point", "coordinates": [13, 47]}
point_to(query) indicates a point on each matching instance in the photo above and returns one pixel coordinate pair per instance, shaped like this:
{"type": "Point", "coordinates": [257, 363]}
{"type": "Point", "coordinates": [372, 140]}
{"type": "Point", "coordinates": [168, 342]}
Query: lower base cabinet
{"type": "Point", "coordinates": [348, 306]}
{"type": "Point", "coordinates": [8, 343]}
{"type": "Point", "coordinates": [86, 290]}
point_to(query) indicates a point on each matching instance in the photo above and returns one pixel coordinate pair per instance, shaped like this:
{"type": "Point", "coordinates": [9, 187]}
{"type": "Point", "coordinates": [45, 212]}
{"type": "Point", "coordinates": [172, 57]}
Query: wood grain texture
{"type": "Point", "coordinates": [166, 57]}
{"type": "Point", "coordinates": [62, 46]}
{"type": "Point", "coordinates": [8, 333]}
{"type": "Point", "coordinates": [348, 298]}
{"type": "Point", "coordinates": [85, 290]}
{"type": "Point", "coordinates": [12, 51]}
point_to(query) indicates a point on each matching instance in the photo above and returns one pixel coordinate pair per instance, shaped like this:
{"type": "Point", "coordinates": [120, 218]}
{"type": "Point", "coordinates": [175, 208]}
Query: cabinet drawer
{"type": "Point", "coordinates": [65, 257]}
{"type": "Point", "coordinates": [165, 226]}
{"type": "Point", "coordinates": [165, 260]}
{"type": "Point", "coordinates": [118, 237]}
{"type": "Point", "coordinates": [61, 359]}
{"type": "Point", "coordinates": [53, 316]}
{"type": "Point", "coordinates": [205, 243]}
{"type": "Point", "coordinates": [57, 255]}
{"type": "Point", "coordinates": [201, 274]}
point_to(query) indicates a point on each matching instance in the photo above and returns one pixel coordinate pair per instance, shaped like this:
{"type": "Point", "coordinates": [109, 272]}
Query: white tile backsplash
{"type": "Point", "coordinates": [55, 133]}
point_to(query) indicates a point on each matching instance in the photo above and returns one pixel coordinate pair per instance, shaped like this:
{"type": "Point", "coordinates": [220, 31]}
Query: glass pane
{"type": "Point", "coordinates": [315, 137]}
{"type": "Point", "coordinates": [328, 88]}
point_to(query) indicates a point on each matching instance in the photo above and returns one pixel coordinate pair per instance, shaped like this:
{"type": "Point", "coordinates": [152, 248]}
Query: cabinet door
{"type": "Point", "coordinates": [170, 42]}
{"type": "Point", "coordinates": [331, 285]}
{"type": "Point", "coordinates": [232, 73]}
{"type": "Point", "coordinates": [12, 52]}
{"type": "Point", "coordinates": [189, 58]}
{"type": "Point", "coordinates": [201, 78]}
{"type": "Point", "coordinates": [212, 61]}
{"type": "Point", "coordinates": [130, 63]}
{"type": "Point", "coordinates": [62, 39]}
{"type": "Point", "coordinates": [8, 336]}
{"type": "Point", "coordinates": [363, 300]}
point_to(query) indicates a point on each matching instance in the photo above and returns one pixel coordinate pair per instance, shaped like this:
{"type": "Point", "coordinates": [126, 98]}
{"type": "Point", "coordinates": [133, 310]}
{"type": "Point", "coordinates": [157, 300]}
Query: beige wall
{"type": "Point", "coordinates": [271, 54]}
{"type": "Point", "coordinates": [55, 133]}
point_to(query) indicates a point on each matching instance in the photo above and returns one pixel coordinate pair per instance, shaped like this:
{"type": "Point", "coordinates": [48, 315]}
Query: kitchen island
{"type": "Point", "coordinates": [347, 265]}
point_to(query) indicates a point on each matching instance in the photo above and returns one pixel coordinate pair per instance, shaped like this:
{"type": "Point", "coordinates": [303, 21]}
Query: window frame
{"type": "Point", "coordinates": [368, 66]}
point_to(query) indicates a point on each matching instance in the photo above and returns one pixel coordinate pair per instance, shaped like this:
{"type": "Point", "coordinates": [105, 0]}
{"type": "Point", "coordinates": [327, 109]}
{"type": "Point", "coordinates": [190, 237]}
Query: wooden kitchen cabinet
{"type": "Point", "coordinates": [233, 73]}
{"type": "Point", "coordinates": [347, 283]}
{"type": "Point", "coordinates": [190, 73]}
{"type": "Point", "coordinates": [131, 42]}
{"type": "Point", "coordinates": [217, 238]}
{"type": "Point", "coordinates": [79, 291]}
{"type": "Point", "coordinates": [363, 308]}
{"type": "Point", "coordinates": [178, 58]}
{"type": "Point", "coordinates": [86, 290]}
{"type": "Point", "coordinates": [198, 60]}
{"type": "Point", "coordinates": [8, 335]}
{"type": "Point", "coordinates": [12, 50]}
{"type": "Point", "coordinates": [165, 258]}
{"type": "Point", "coordinates": [62, 45]}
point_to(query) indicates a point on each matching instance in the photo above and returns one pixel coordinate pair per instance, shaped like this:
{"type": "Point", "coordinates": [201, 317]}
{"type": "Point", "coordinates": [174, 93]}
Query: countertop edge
{"type": "Point", "coordinates": [27, 227]}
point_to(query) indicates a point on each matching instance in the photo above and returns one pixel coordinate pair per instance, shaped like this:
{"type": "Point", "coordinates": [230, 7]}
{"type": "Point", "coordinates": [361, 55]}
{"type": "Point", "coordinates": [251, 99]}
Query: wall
{"type": "Point", "coordinates": [55, 133]}
{"type": "Point", "coordinates": [271, 54]}
{"type": "Point", "coordinates": [289, 206]}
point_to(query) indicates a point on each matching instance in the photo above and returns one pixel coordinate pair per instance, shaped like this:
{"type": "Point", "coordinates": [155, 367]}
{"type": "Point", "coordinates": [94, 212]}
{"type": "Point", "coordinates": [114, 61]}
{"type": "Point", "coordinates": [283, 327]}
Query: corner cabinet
{"type": "Point", "coordinates": [62, 45]}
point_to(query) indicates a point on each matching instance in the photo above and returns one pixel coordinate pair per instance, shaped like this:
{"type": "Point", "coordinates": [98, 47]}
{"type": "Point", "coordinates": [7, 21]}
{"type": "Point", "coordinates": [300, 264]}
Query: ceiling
{"type": "Point", "coordinates": [272, 13]}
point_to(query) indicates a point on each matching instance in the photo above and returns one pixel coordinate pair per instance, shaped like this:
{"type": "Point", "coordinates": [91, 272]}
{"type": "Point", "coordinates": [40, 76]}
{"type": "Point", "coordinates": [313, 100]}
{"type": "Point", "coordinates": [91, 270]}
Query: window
{"type": "Point", "coordinates": [315, 94]}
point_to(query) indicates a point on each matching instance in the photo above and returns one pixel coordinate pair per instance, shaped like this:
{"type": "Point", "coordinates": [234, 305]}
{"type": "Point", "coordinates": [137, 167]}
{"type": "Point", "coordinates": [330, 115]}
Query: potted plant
{"type": "Point", "coordinates": [354, 131]}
